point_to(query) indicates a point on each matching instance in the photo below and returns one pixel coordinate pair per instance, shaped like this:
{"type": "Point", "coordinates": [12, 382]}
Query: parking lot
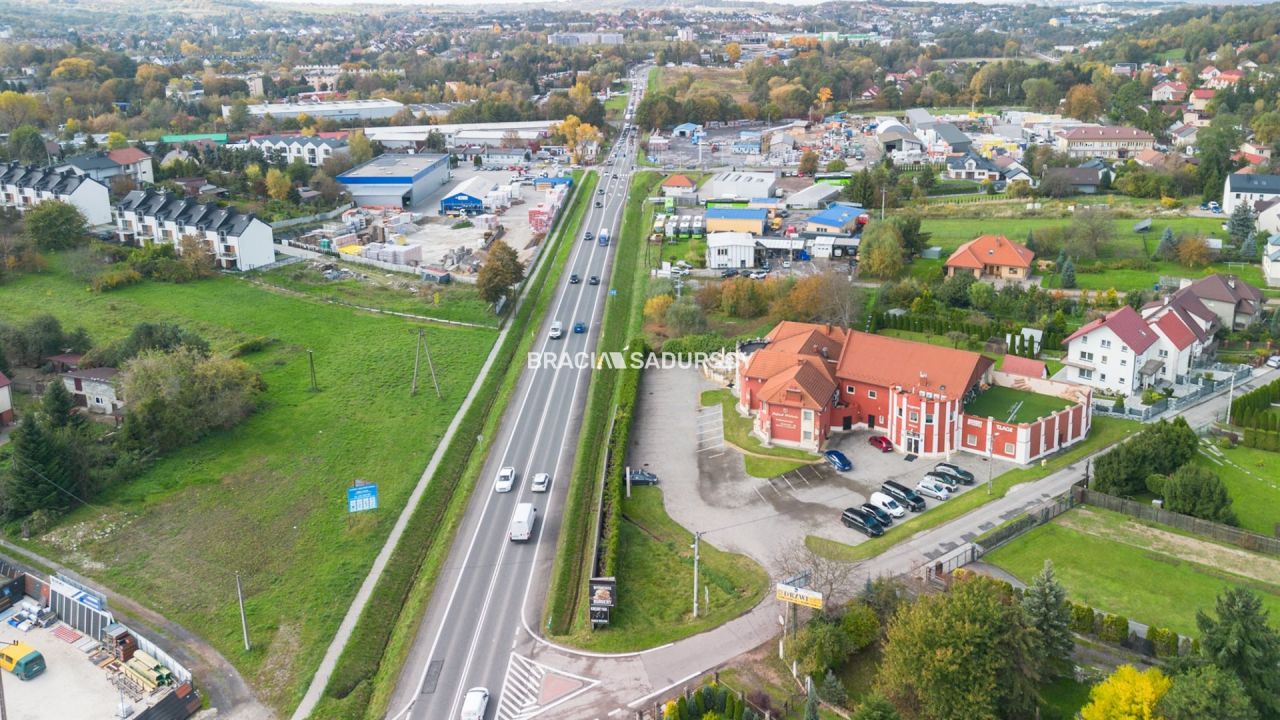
{"type": "Point", "coordinates": [706, 488]}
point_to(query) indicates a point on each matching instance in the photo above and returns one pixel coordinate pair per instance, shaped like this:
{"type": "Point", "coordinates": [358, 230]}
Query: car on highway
{"type": "Point", "coordinates": [574, 279]}
{"type": "Point", "coordinates": [506, 480]}
{"type": "Point", "coordinates": [540, 483]}
{"type": "Point", "coordinates": [838, 460]}
{"type": "Point", "coordinates": [933, 489]}
{"type": "Point", "coordinates": [557, 330]}
{"type": "Point", "coordinates": [593, 280]}
{"type": "Point", "coordinates": [588, 236]}
{"type": "Point", "coordinates": [904, 495]}
{"type": "Point", "coordinates": [857, 520]}
{"type": "Point", "coordinates": [876, 512]}
{"type": "Point", "coordinates": [600, 191]}
{"type": "Point", "coordinates": [579, 328]}
{"type": "Point", "coordinates": [474, 704]}
{"type": "Point", "coordinates": [963, 476]}
{"type": "Point", "coordinates": [881, 443]}
{"type": "Point", "coordinates": [599, 204]}
{"type": "Point", "coordinates": [643, 477]}
{"type": "Point", "coordinates": [887, 504]}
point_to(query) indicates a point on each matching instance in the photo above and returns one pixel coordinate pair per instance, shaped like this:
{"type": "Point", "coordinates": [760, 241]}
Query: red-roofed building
{"type": "Point", "coordinates": [6, 401]}
{"type": "Point", "coordinates": [992, 257]}
{"type": "Point", "coordinates": [135, 163]}
{"type": "Point", "coordinates": [1026, 367]}
{"type": "Point", "coordinates": [1114, 353]}
{"type": "Point", "coordinates": [679, 185]}
{"type": "Point", "coordinates": [1169, 91]}
{"type": "Point", "coordinates": [1225, 79]}
{"type": "Point", "coordinates": [812, 380]}
{"type": "Point", "coordinates": [1200, 98]}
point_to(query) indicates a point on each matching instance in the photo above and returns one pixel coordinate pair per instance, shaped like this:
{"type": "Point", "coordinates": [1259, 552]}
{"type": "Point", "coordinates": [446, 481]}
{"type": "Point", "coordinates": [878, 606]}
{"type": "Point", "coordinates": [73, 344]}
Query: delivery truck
{"type": "Point", "coordinates": [522, 522]}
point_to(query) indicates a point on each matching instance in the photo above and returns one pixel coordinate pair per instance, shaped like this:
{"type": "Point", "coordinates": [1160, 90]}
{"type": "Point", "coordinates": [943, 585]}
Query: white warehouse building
{"type": "Point", "coordinates": [394, 180]}
{"type": "Point", "coordinates": [336, 110]}
{"type": "Point", "coordinates": [727, 250]}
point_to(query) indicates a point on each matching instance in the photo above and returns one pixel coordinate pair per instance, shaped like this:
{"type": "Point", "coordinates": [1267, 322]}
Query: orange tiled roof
{"type": "Point", "coordinates": [987, 250]}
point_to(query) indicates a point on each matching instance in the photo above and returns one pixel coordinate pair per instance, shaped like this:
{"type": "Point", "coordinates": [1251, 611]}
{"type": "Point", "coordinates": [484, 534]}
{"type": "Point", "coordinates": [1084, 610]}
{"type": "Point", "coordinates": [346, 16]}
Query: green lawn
{"type": "Point", "coordinates": [1252, 478]}
{"type": "Point", "coordinates": [1063, 698]}
{"type": "Point", "coordinates": [267, 497]}
{"type": "Point", "coordinates": [737, 429]}
{"type": "Point", "coordinates": [1104, 433]}
{"type": "Point", "coordinates": [1000, 403]}
{"type": "Point", "coordinates": [1126, 576]}
{"type": "Point", "coordinates": [656, 582]}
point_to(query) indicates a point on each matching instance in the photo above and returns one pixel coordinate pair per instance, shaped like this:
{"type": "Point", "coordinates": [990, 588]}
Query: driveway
{"type": "Point", "coordinates": [705, 486]}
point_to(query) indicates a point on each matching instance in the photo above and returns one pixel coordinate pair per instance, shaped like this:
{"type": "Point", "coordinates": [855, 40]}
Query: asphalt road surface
{"type": "Point", "coordinates": [477, 628]}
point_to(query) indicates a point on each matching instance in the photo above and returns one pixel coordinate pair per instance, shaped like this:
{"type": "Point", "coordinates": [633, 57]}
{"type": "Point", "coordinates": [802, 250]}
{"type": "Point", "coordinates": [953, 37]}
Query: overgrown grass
{"type": "Point", "coordinates": [737, 429]}
{"type": "Point", "coordinates": [1104, 433]}
{"type": "Point", "coordinates": [267, 497]}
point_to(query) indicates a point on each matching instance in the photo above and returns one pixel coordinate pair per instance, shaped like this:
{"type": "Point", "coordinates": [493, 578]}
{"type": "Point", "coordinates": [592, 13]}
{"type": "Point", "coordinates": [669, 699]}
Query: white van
{"type": "Point", "coordinates": [887, 504]}
{"type": "Point", "coordinates": [557, 330]}
{"type": "Point", "coordinates": [522, 522]}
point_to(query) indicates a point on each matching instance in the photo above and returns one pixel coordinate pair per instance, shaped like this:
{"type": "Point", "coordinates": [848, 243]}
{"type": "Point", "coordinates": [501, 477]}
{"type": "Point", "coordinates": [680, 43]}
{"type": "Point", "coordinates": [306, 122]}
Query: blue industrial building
{"type": "Point", "coordinates": [394, 180]}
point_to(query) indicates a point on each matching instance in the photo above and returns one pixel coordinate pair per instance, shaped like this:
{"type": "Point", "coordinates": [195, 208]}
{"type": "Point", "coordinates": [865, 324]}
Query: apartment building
{"type": "Point", "coordinates": [1114, 143]}
{"type": "Point", "coordinates": [25, 186]}
{"type": "Point", "coordinates": [238, 241]}
{"type": "Point", "coordinates": [310, 150]}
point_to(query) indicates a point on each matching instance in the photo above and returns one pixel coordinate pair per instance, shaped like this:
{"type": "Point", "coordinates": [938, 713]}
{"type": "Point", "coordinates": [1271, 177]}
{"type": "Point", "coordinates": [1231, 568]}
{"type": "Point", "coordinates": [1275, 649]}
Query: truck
{"type": "Point", "coordinates": [775, 223]}
{"type": "Point", "coordinates": [522, 522]}
{"type": "Point", "coordinates": [603, 236]}
{"type": "Point", "coordinates": [22, 660]}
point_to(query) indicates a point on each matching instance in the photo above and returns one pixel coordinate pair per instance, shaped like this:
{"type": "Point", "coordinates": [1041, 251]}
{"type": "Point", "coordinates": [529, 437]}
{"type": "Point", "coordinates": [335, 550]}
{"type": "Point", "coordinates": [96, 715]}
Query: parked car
{"type": "Point", "coordinates": [888, 504]}
{"type": "Point", "coordinates": [506, 480]}
{"type": "Point", "coordinates": [541, 483]}
{"type": "Point", "coordinates": [933, 489]}
{"type": "Point", "coordinates": [947, 481]}
{"type": "Point", "coordinates": [579, 328]}
{"type": "Point", "coordinates": [574, 279]}
{"type": "Point", "coordinates": [1273, 361]}
{"type": "Point", "coordinates": [786, 264]}
{"type": "Point", "coordinates": [728, 273]}
{"type": "Point", "coordinates": [903, 494]}
{"type": "Point", "coordinates": [643, 477]}
{"type": "Point", "coordinates": [759, 275]}
{"type": "Point", "coordinates": [593, 280]}
{"type": "Point", "coordinates": [855, 519]}
{"type": "Point", "coordinates": [474, 704]}
{"type": "Point", "coordinates": [838, 460]}
{"type": "Point", "coordinates": [964, 476]}
{"type": "Point", "coordinates": [881, 443]}
{"type": "Point", "coordinates": [876, 512]}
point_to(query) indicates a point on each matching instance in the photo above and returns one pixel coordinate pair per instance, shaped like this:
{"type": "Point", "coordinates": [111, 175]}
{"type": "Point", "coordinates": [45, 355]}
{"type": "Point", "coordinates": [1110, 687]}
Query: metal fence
{"type": "Point", "coordinates": [1033, 518]}
{"type": "Point", "coordinates": [1146, 511]}
{"type": "Point", "coordinates": [1206, 388]}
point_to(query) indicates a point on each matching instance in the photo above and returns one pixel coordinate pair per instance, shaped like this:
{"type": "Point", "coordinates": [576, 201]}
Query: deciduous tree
{"type": "Point", "coordinates": [500, 272]}
{"type": "Point", "coordinates": [1127, 694]}
{"type": "Point", "coordinates": [808, 163]}
{"type": "Point", "coordinates": [55, 225]}
{"type": "Point", "coordinates": [880, 254]}
{"type": "Point", "coordinates": [1193, 251]}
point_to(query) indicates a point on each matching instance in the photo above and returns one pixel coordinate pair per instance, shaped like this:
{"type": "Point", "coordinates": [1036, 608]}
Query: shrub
{"type": "Point", "coordinates": [760, 699]}
{"type": "Point", "coordinates": [1164, 640]}
{"type": "Point", "coordinates": [1083, 619]}
{"type": "Point", "coordinates": [1115, 628]}
{"type": "Point", "coordinates": [250, 346]}
{"type": "Point", "coordinates": [113, 279]}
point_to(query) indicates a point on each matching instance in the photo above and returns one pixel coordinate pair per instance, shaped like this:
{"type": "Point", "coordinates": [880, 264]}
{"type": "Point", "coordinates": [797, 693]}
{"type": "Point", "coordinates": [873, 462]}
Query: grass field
{"type": "Point", "coordinates": [1014, 406]}
{"type": "Point", "coordinates": [1104, 433]}
{"type": "Point", "coordinates": [267, 497]}
{"type": "Point", "coordinates": [1252, 478]}
{"type": "Point", "coordinates": [737, 429]}
{"type": "Point", "coordinates": [694, 81]}
{"type": "Point", "coordinates": [1100, 557]}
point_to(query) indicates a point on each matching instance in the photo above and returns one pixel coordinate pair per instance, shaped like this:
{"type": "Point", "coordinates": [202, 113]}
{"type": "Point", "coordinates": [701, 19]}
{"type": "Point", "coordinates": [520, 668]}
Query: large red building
{"type": "Point", "coordinates": [810, 380]}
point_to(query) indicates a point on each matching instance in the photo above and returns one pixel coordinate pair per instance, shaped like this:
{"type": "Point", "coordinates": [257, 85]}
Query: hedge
{"type": "Point", "coordinates": [615, 483]}
{"type": "Point", "coordinates": [1164, 640]}
{"type": "Point", "coordinates": [1115, 628]}
{"type": "Point", "coordinates": [1255, 410]}
{"type": "Point", "coordinates": [1083, 619]}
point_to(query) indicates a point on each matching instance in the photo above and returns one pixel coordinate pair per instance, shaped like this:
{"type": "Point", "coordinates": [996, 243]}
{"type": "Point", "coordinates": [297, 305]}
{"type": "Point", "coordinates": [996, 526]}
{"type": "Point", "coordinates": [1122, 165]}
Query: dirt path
{"type": "Point", "coordinates": [1222, 557]}
{"type": "Point", "coordinates": [214, 674]}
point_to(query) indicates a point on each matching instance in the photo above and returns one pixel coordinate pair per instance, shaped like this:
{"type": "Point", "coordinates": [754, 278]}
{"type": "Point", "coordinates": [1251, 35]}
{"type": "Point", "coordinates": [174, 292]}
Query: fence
{"type": "Point", "coordinates": [1036, 516]}
{"type": "Point", "coordinates": [1206, 387]}
{"type": "Point", "coordinates": [972, 198]}
{"type": "Point", "coordinates": [1144, 511]}
{"type": "Point", "coordinates": [291, 222]}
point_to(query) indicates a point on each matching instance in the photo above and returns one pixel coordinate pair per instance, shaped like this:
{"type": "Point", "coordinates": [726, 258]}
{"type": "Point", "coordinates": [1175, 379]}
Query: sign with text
{"type": "Point", "coordinates": [362, 497]}
{"type": "Point", "coordinates": [799, 596]}
{"type": "Point", "coordinates": [604, 597]}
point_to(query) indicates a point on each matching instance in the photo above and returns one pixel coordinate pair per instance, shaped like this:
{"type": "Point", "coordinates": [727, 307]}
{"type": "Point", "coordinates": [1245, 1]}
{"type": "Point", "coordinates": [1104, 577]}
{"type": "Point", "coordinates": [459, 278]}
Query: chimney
{"type": "Point", "coordinates": [1231, 282]}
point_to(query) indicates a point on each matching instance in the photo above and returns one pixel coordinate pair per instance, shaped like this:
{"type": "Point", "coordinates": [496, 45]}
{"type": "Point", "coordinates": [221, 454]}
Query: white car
{"type": "Point", "coordinates": [474, 704]}
{"type": "Point", "coordinates": [786, 264]}
{"type": "Point", "coordinates": [506, 480]}
{"type": "Point", "coordinates": [887, 504]}
{"type": "Point", "coordinates": [1273, 361]}
{"type": "Point", "coordinates": [933, 489]}
{"type": "Point", "coordinates": [758, 275]}
{"type": "Point", "coordinates": [541, 482]}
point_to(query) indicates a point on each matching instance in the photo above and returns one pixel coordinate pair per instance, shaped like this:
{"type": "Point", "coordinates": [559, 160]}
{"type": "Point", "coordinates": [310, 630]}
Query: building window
{"type": "Point", "coordinates": [928, 419]}
{"type": "Point", "coordinates": [1008, 448]}
{"type": "Point", "coordinates": [899, 412]}
{"type": "Point", "coordinates": [1121, 381]}
{"type": "Point", "coordinates": [1123, 362]}
{"type": "Point", "coordinates": [1102, 377]}
{"type": "Point", "coordinates": [1086, 356]}
{"type": "Point", "coordinates": [851, 390]}
{"type": "Point", "coordinates": [1084, 374]}
{"type": "Point", "coordinates": [971, 440]}
{"type": "Point", "coordinates": [871, 394]}
{"type": "Point", "coordinates": [1124, 348]}
{"type": "Point", "coordinates": [915, 417]}
{"type": "Point", "coordinates": [1164, 353]}
{"type": "Point", "coordinates": [1106, 343]}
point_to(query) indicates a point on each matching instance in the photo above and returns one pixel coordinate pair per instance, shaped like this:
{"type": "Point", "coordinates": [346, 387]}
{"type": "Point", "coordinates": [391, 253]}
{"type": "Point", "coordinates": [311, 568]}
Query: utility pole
{"type": "Point", "coordinates": [884, 191]}
{"type": "Point", "coordinates": [311, 359]}
{"type": "Point", "coordinates": [697, 538]}
{"type": "Point", "coordinates": [244, 624]}
{"type": "Point", "coordinates": [4, 712]}
{"type": "Point", "coordinates": [417, 350]}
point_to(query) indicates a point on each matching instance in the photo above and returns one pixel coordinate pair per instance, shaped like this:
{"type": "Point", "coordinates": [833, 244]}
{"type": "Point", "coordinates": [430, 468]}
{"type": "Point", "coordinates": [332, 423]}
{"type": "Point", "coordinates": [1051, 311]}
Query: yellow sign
{"type": "Point", "coordinates": [799, 596]}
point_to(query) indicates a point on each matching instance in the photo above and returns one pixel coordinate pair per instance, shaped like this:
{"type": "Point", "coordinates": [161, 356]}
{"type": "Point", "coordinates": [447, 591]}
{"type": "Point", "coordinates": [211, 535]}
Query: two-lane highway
{"type": "Point", "coordinates": [479, 613]}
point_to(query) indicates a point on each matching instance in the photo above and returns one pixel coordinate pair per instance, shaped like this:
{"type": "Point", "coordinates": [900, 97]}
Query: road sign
{"type": "Point", "coordinates": [613, 291]}
{"type": "Point", "coordinates": [362, 497]}
{"type": "Point", "coordinates": [799, 596]}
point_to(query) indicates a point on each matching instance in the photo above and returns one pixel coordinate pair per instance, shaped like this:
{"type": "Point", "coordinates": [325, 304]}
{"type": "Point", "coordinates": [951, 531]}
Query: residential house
{"type": "Point", "coordinates": [1234, 301]}
{"type": "Point", "coordinates": [1225, 79]}
{"type": "Point", "coordinates": [1200, 98]}
{"type": "Point", "coordinates": [1183, 135]}
{"type": "Point", "coordinates": [24, 186]}
{"type": "Point", "coordinates": [1271, 261]}
{"type": "Point", "coordinates": [992, 257]}
{"type": "Point", "coordinates": [679, 186]}
{"type": "Point", "coordinates": [1082, 180]}
{"type": "Point", "coordinates": [1150, 158]}
{"type": "Point", "coordinates": [1110, 353]}
{"type": "Point", "coordinates": [95, 389]}
{"type": "Point", "coordinates": [1169, 91]}
{"type": "Point", "coordinates": [237, 240]}
{"type": "Point", "coordinates": [871, 93]}
{"type": "Point", "coordinates": [6, 401]}
{"type": "Point", "coordinates": [1250, 189]}
{"type": "Point", "coordinates": [972, 167]}
{"type": "Point", "coordinates": [1115, 143]}
{"type": "Point", "coordinates": [105, 165]}
{"type": "Point", "coordinates": [1185, 330]}
{"type": "Point", "coordinates": [312, 150]}
{"type": "Point", "coordinates": [1208, 73]}
{"type": "Point", "coordinates": [1011, 170]}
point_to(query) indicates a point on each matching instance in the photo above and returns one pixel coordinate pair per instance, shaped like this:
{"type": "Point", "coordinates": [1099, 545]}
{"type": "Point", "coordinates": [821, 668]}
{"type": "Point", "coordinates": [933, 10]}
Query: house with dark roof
{"type": "Point", "coordinates": [992, 257]}
{"type": "Point", "coordinates": [312, 150]}
{"type": "Point", "coordinates": [1249, 189]}
{"type": "Point", "coordinates": [107, 164]}
{"type": "Point", "coordinates": [1234, 301]}
{"type": "Point", "coordinates": [238, 241]}
{"type": "Point", "coordinates": [972, 167]}
{"type": "Point", "coordinates": [1081, 180]}
{"type": "Point", "coordinates": [1111, 353]}
{"type": "Point", "coordinates": [25, 186]}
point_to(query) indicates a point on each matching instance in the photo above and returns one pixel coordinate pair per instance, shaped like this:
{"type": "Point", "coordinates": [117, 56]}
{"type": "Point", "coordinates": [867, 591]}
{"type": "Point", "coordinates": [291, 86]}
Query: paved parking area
{"type": "Point", "coordinates": [706, 488]}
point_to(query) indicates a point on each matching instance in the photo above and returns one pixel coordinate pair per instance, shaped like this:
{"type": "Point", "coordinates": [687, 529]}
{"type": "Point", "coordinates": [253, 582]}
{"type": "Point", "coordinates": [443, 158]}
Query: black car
{"type": "Point", "coordinates": [574, 279]}
{"type": "Point", "coordinates": [593, 280]}
{"type": "Point", "coordinates": [729, 273]}
{"type": "Point", "coordinates": [963, 476]}
{"type": "Point", "coordinates": [588, 237]}
{"type": "Point", "coordinates": [643, 477]}
{"type": "Point", "coordinates": [881, 516]}
{"type": "Point", "coordinates": [599, 204]}
{"type": "Point", "coordinates": [904, 495]}
{"type": "Point", "coordinates": [857, 520]}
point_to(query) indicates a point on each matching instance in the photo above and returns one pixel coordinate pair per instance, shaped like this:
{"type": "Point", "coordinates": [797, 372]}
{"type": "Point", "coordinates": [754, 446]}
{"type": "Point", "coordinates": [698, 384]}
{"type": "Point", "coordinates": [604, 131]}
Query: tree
{"type": "Point", "coordinates": [57, 405]}
{"type": "Point", "coordinates": [116, 140]}
{"type": "Point", "coordinates": [927, 179]}
{"type": "Point", "coordinates": [27, 145]}
{"type": "Point", "coordinates": [500, 272]}
{"type": "Point", "coordinates": [1168, 248]}
{"type": "Point", "coordinates": [655, 308]}
{"type": "Point", "coordinates": [684, 317]}
{"type": "Point", "coordinates": [1193, 251]}
{"type": "Point", "coordinates": [1068, 274]}
{"type": "Point", "coordinates": [1041, 94]}
{"type": "Point", "coordinates": [1082, 103]}
{"type": "Point", "coordinates": [1197, 491]}
{"type": "Point", "coordinates": [1091, 230]}
{"type": "Point", "coordinates": [734, 51]}
{"type": "Point", "coordinates": [808, 163]}
{"type": "Point", "coordinates": [177, 397]}
{"type": "Point", "coordinates": [1048, 612]}
{"type": "Point", "coordinates": [811, 705]}
{"type": "Point", "coordinates": [1241, 642]}
{"type": "Point", "coordinates": [278, 185]}
{"type": "Point", "coordinates": [832, 690]}
{"type": "Point", "coordinates": [1249, 248]}
{"type": "Point", "coordinates": [55, 225]}
{"type": "Point", "coordinates": [38, 477]}
{"type": "Point", "coordinates": [1127, 694]}
{"type": "Point", "coordinates": [1240, 224]}
{"type": "Point", "coordinates": [837, 165]}
{"type": "Point", "coordinates": [913, 238]}
{"type": "Point", "coordinates": [880, 253]}
{"type": "Point", "coordinates": [1206, 692]}
{"type": "Point", "coordinates": [965, 653]}
{"type": "Point", "coordinates": [17, 109]}
{"type": "Point", "coordinates": [876, 707]}
{"type": "Point", "coordinates": [359, 147]}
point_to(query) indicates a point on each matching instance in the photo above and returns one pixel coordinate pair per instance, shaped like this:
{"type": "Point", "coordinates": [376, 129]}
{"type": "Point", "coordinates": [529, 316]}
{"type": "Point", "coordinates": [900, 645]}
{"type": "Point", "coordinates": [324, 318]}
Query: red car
{"type": "Point", "coordinates": [881, 442]}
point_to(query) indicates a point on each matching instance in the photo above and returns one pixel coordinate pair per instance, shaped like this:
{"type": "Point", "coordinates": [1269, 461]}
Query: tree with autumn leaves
{"type": "Point", "coordinates": [578, 136]}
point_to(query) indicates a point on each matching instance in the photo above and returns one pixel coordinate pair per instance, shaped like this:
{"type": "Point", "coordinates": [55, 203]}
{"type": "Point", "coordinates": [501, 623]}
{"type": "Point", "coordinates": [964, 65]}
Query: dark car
{"type": "Point", "coordinates": [881, 516]}
{"type": "Point", "coordinates": [594, 280]}
{"type": "Point", "coordinates": [881, 443]}
{"type": "Point", "coordinates": [729, 273]}
{"type": "Point", "coordinates": [579, 328]}
{"type": "Point", "coordinates": [838, 460]}
{"type": "Point", "coordinates": [599, 204]}
{"type": "Point", "coordinates": [857, 520]}
{"type": "Point", "coordinates": [574, 279]}
{"type": "Point", "coordinates": [950, 482]}
{"type": "Point", "coordinates": [600, 191]}
{"type": "Point", "coordinates": [588, 237]}
{"type": "Point", "coordinates": [643, 477]}
{"type": "Point", "coordinates": [907, 497]}
{"type": "Point", "coordinates": [963, 476]}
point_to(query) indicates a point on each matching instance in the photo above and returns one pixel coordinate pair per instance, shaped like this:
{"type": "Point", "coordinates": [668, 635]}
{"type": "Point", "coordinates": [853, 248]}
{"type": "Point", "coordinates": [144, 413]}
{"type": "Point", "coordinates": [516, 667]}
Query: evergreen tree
{"type": "Point", "coordinates": [1168, 247]}
{"type": "Point", "coordinates": [1206, 692]}
{"type": "Point", "coordinates": [832, 690]}
{"type": "Point", "coordinates": [57, 405]}
{"type": "Point", "coordinates": [1069, 274]}
{"type": "Point", "coordinates": [1047, 610]}
{"type": "Point", "coordinates": [37, 475]}
{"type": "Point", "coordinates": [1241, 642]}
{"type": "Point", "coordinates": [1031, 242]}
{"type": "Point", "coordinates": [1240, 225]}
{"type": "Point", "coordinates": [1249, 248]}
{"type": "Point", "coordinates": [811, 705]}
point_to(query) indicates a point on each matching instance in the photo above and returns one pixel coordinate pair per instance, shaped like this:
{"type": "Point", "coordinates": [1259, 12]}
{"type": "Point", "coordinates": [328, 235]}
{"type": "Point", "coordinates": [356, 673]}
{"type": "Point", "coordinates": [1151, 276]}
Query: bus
{"type": "Point", "coordinates": [603, 236]}
{"type": "Point", "coordinates": [669, 206]}
{"type": "Point", "coordinates": [835, 178]}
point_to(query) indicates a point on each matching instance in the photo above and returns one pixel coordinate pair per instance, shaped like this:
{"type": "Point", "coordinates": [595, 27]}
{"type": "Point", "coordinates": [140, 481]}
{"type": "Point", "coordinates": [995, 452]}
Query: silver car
{"type": "Point", "coordinates": [541, 483]}
{"type": "Point", "coordinates": [506, 480]}
{"type": "Point", "coordinates": [933, 489]}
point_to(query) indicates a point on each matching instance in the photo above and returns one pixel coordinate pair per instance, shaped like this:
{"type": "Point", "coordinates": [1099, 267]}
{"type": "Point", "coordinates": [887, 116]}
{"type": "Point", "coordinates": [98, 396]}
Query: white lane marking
{"type": "Point", "coordinates": [522, 686]}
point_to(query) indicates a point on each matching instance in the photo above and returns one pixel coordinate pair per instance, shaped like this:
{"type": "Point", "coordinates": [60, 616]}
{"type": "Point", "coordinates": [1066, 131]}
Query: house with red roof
{"type": "Point", "coordinates": [1169, 91]}
{"type": "Point", "coordinates": [1111, 353]}
{"type": "Point", "coordinates": [679, 186]}
{"type": "Point", "coordinates": [1225, 79]}
{"type": "Point", "coordinates": [810, 381]}
{"type": "Point", "coordinates": [1026, 367]}
{"type": "Point", "coordinates": [6, 401]}
{"type": "Point", "coordinates": [992, 257]}
{"type": "Point", "coordinates": [1200, 98]}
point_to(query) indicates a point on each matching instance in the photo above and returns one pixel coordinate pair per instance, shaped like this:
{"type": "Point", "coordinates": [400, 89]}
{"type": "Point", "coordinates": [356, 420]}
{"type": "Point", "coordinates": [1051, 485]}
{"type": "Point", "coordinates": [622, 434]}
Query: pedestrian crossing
{"type": "Point", "coordinates": [531, 688]}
